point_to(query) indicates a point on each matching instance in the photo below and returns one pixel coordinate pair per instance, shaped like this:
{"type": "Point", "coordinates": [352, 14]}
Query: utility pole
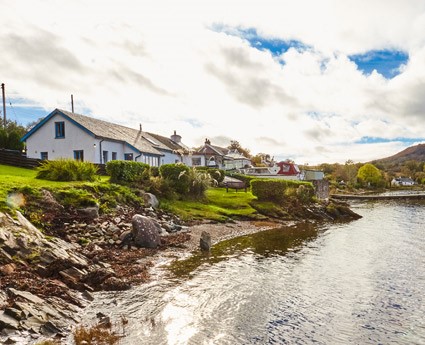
{"type": "Point", "coordinates": [72, 103]}
{"type": "Point", "coordinates": [4, 105]}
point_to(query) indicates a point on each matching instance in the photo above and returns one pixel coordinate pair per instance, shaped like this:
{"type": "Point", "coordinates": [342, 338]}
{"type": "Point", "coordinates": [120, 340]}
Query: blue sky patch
{"type": "Point", "coordinates": [22, 111]}
{"type": "Point", "coordinates": [273, 45]}
{"type": "Point", "coordinates": [385, 62]}
{"type": "Point", "coordinates": [378, 140]}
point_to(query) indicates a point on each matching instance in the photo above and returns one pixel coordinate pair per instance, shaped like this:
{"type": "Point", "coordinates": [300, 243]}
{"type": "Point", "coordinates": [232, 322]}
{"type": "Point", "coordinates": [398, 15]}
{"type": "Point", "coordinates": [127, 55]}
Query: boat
{"type": "Point", "coordinates": [283, 170]}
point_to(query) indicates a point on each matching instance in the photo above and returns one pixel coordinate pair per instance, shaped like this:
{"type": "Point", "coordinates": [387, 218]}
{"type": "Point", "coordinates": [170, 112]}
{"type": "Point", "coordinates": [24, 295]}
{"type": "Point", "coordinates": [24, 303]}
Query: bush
{"type": "Point", "coordinates": [278, 190]}
{"type": "Point", "coordinates": [154, 171]}
{"type": "Point", "coordinates": [67, 170]}
{"type": "Point", "coordinates": [216, 174]}
{"type": "Point", "coordinates": [75, 198]}
{"type": "Point", "coordinates": [200, 181]}
{"type": "Point", "coordinates": [177, 175]}
{"type": "Point", "coordinates": [127, 171]}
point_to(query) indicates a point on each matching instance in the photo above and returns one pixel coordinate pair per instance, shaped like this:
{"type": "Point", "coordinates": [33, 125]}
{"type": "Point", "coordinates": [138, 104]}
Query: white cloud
{"type": "Point", "coordinates": [160, 64]}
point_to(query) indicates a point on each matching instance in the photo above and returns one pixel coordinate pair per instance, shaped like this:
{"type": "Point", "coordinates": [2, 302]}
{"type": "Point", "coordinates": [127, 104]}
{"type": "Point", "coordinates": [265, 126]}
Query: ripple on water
{"type": "Point", "coordinates": [355, 283]}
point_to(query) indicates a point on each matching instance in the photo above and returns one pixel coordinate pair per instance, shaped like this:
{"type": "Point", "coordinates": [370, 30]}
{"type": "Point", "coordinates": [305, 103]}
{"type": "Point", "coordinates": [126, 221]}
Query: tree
{"type": "Point", "coordinates": [369, 175]}
{"type": "Point", "coordinates": [11, 135]}
{"type": "Point", "coordinates": [234, 145]}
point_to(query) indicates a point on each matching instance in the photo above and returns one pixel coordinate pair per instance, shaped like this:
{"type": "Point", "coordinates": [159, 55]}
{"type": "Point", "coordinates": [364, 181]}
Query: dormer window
{"type": "Point", "coordinates": [59, 129]}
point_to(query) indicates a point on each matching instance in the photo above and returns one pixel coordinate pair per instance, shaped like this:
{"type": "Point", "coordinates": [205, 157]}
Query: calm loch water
{"type": "Point", "coordinates": [361, 282]}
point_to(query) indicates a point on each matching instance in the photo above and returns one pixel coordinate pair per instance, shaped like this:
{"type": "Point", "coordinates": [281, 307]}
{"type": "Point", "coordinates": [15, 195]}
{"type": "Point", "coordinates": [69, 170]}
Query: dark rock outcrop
{"type": "Point", "coordinates": [146, 232]}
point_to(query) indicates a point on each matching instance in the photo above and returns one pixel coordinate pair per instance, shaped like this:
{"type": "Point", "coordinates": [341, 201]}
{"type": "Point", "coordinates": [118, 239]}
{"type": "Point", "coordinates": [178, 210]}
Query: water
{"type": "Point", "coordinates": [356, 283]}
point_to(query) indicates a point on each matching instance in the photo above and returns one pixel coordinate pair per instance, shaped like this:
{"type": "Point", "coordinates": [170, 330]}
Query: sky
{"type": "Point", "coordinates": [315, 81]}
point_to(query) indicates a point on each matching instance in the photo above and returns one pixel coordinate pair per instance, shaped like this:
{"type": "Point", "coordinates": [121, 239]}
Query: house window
{"type": "Point", "coordinates": [44, 155]}
{"type": "Point", "coordinates": [196, 161]}
{"type": "Point", "coordinates": [114, 156]}
{"type": "Point", "coordinates": [79, 155]}
{"type": "Point", "coordinates": [60, 129]}
{"type": "Point", "coordinates": [105, 157]}
{"type": "Point", "coordinates": [128, 156]}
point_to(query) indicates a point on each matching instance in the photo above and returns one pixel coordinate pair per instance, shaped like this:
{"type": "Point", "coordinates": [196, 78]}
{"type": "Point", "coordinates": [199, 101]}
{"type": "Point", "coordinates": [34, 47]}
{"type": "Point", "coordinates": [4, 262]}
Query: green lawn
{"type": "Point", "coordinates": [219, 205]}
{"type": "Point", "coordinates": [14, 177]}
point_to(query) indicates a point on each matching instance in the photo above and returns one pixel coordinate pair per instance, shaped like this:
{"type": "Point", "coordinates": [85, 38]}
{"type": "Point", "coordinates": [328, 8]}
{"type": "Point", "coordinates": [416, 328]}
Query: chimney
{"type": "Point", "coordinates": [140, 127]}
{"type": "Point", "coordinates": [176, 138]}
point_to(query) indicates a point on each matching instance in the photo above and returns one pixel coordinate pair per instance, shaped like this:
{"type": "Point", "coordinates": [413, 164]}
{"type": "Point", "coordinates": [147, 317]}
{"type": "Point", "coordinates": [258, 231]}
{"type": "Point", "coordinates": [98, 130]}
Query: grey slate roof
{"type": "Point", "coordinates": [170, 144]}
{"type": "Point", "coordinates": [108, 130]}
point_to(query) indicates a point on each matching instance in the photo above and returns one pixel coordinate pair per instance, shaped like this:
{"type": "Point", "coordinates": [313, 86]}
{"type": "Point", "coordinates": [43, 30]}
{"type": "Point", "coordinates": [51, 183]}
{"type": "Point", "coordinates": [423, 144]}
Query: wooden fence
{"type": "Point", "coordinates": [18, 159]}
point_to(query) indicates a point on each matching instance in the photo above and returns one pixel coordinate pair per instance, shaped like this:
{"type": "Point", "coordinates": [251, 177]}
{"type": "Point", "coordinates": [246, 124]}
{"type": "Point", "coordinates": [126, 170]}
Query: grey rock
{"type": "Point", "coordinates": [7, 321]}
{"type": "Point", "coordinates": [89, 213]}
{"type": "Point", "coordinates": [150, 200]}
{"type": "Point", "coordinates": [145, 232]}
{"type": "Point", "coordinates": [205, 241]}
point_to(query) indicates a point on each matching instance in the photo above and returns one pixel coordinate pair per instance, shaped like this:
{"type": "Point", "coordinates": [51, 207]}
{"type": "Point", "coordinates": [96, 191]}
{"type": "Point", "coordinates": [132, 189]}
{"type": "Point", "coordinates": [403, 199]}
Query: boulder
{"type": "Point", "coordinates": [89, 213]}
{"type": "Point", "coordinates": [150, 200]}
{"type": "Point", "coordinates": [146, 232]}
{"type": "Point", "coordinates": [205, 241]}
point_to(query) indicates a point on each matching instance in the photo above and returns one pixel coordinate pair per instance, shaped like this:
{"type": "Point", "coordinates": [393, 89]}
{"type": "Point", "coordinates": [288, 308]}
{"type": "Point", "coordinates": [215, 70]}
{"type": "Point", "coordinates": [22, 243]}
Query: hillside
{"type": "Point", "coordinates": [416, 153]}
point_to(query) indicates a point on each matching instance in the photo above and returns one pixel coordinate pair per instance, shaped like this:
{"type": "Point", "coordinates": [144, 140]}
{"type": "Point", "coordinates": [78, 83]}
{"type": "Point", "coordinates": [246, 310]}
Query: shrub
{"type": "Point", "coordinates": [177, 175]}
{"type": "Point", "coordinates": [154, 171]}
{"type": "Point", "coordinates": [278, 190]}
{"type": "Point", "coordinates": [215, 173]}
{"type": "Point", "coordinates": [161, 187]}
{"type": "Point", "coordinates": [199, 182]}
{"type": "Point", "coordinates": [75, 198]}
{"type": "Point", "coordinates": [127, 171]}
{"type": "Point", "coordinates": [67, 170]}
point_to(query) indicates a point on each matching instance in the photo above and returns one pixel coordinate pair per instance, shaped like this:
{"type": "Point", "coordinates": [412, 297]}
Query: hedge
{"type": "Point", "coordinates": [127, 171]}
{"type": "Point", "coordinates": [278, 190]}
{"type": "Point", "coordinates": [177, 175]}
{"type": "Point", "coordinates": [245, 178]}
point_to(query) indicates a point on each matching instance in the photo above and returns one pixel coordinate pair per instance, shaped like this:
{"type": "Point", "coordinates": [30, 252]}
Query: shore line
{"type": "Point", "coordinates": [418, 196]}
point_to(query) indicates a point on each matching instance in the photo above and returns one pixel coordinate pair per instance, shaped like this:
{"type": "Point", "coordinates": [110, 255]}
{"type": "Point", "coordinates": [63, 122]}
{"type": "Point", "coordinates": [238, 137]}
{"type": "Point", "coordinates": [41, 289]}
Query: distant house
{"type": "Point", "coordinates": [402, 181]}
{"type": "Point", "coordinates": [218, 157]}
{"type": "Point", "coordinates": [63, 134]}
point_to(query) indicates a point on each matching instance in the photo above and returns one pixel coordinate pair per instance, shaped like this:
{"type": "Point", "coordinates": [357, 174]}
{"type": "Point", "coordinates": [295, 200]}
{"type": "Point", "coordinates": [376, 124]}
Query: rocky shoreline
{"type": "Point", "coordinates": [46, 280]}
{"type": "Point", "coordinates": [47, 277]}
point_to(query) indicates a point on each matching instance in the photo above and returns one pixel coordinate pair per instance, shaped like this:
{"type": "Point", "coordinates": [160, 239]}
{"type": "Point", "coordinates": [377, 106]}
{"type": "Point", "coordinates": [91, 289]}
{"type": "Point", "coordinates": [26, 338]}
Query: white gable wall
{"type": "Point", "coordinates": [44, 140]}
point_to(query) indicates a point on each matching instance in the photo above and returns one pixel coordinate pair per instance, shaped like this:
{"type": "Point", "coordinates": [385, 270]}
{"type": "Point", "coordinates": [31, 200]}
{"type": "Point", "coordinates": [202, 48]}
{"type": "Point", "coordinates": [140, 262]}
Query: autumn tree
{"type": "Point", "coordinates": [369, 175]}
{"type": "Point", "coordinates": [234, 145]}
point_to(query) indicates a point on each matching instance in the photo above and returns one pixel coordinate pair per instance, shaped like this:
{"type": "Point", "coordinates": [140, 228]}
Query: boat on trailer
{"type": "Point", "coordinates": [283, 170]}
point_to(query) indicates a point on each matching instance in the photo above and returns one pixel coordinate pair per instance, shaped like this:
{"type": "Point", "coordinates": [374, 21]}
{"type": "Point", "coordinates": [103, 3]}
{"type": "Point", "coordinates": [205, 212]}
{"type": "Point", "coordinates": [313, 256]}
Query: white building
{"type": "Point", "coordinates": [402, 181]}
{"type": "Point", "coordinates": [63, 134]}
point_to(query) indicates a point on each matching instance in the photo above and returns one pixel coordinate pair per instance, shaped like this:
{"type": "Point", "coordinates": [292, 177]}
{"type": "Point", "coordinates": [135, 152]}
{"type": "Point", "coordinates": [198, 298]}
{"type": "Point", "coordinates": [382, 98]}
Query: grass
{"type": "Point", "coordinates": [218, 205]}
{"type": "Point", "coordinates": [15, 178]}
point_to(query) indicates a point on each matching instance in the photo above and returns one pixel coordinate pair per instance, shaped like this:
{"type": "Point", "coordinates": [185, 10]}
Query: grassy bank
{"type": "Point", "coordinates": [217, 205]}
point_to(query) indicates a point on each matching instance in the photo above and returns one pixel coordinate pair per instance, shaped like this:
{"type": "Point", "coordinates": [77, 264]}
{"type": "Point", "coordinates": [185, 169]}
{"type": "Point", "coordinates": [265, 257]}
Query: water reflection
{"type": "Point", "coordinates": [356, 283]}
{"type": "Point", "coordinates": [266, 243]}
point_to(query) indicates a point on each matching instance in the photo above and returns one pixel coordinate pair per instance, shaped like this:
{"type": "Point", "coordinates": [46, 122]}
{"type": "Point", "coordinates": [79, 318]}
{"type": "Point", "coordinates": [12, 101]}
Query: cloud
{"type": "Point", "coordinates": [277, 78]}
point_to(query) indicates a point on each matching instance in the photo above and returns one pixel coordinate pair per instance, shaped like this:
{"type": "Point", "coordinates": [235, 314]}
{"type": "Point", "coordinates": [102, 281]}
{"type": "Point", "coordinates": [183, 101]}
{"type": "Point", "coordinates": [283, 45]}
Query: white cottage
{"type": "Point", "coordinates": [63, 134]}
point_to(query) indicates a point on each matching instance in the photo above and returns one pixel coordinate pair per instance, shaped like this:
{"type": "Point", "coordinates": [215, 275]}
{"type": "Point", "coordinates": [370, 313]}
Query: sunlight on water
{"type": "Point", "coordinates": [356, 283]}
